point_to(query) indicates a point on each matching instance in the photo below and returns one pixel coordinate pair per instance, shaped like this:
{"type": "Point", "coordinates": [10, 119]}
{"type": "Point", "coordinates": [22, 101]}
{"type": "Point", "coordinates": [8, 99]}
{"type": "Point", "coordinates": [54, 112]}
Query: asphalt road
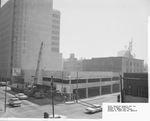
{"type": "Point", "coordinates": [73, 111]}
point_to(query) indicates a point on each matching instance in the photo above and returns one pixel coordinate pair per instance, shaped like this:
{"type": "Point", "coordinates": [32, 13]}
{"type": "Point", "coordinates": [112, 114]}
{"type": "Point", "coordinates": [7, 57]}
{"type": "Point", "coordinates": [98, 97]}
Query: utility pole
{"type": "Point", "coordinates": [52, 90]}
{"type": "Point", "coordinates": [77, 89]}
{"type": "Point", "coordinates": [121, 88]}
{"type": "Point", "coordinates": [62, 83]}
{"type": "Point", "coordinates": [5, 95]}
{"type": "Point", "coordinates": [62, 91]}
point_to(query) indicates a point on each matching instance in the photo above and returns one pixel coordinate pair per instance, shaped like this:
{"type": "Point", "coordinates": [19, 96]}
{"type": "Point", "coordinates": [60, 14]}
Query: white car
{"type": "Point", "coordinates": [58, 116]}
{"type": "Point", "coordinates": [14, 102]}
{"type": "Point", "coordinates": [21, 96]}
{"type": "Point", "coordinates": [93, 109]}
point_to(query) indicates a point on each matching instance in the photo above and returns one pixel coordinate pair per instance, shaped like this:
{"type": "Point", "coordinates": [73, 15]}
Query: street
{"type": "Point", "coordinates": [73, 111]}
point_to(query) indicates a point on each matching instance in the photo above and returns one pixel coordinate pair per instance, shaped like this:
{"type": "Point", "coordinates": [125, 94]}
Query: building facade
{"type": "Point", "coordinates": [88, 84]}
{"type": "Point", "coordinates": [114, 64]}
{"type": "Point", "coordinates": [72, 64]}
{"type": "Point", "coordinates": [24, 25]}
{"type": "Point", "coordinates": [135, 87]}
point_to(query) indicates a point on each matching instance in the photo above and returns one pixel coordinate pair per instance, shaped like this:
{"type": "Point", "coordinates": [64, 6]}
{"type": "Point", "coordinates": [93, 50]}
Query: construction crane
{"type": "Point", "coordinates": [31, 90]}
{"type": "Point", "coordinates": [38, 65]}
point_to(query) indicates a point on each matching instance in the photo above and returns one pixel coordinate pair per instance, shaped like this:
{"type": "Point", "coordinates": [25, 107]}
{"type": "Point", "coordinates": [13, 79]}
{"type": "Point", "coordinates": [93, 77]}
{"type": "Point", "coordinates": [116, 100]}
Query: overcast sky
{"type": "Point", "coordinates": [101, 28]}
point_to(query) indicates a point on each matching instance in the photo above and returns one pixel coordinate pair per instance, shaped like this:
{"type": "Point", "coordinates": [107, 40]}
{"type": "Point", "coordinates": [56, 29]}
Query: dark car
{"type": "Point", "coordinates": [38, 95]}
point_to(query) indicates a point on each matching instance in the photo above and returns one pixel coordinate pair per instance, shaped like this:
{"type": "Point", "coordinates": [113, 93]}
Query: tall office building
{"type": "Point", "coordinates": [24, 24]}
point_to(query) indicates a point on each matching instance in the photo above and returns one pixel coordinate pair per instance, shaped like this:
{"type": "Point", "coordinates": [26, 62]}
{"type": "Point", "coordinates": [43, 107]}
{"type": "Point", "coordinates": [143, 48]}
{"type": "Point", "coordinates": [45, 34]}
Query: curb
{"type": "Point", "coordinates": [70, 102]}
{"type": "Point", "coordinates": [93, 98]}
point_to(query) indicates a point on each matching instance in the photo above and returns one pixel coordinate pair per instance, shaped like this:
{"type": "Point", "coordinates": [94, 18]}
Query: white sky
{"type": "Point", "coordinates": [101, 28]}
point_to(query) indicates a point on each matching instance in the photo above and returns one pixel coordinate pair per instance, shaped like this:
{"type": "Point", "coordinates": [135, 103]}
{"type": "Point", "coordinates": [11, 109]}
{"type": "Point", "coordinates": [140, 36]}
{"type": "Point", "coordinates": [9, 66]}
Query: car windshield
{"type": "Point", "coordinates": [20, 94]}
{"type": "Point", "coordinates": [96, 106]}
{"type": "Point", "coordinates": [14, 99]}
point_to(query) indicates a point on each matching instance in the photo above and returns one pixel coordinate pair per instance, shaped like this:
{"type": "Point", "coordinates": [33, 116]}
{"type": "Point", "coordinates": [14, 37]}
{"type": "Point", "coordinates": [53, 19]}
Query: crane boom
{"type": "Point", "coordinates": [38, 64]}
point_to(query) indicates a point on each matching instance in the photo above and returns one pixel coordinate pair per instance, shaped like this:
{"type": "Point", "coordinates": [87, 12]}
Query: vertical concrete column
{"type": "Point", "coordinates": [87, 92]}
{"type": "Point", "coordinates": [111, 86]}
{"type": "Point", "coordinates": [100, 87]}
{"type": "Point", "coordinates": [87, 88]}
{"type": "Point", "coordinates": [70, 88]}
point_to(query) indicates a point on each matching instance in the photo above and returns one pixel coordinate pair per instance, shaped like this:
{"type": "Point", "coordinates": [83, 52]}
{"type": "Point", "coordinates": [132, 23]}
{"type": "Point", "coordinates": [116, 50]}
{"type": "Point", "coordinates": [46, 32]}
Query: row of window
{"type": "Point", "coordinates": [55, 38]}
{"type": "Point", "coordinates": [80, 80]}
{"type": "Point", "coordinates": [56, 16]}
{"type": "Point", "coordinates": [55, 27]}
{"type": "Point", "coordinates": [55, 49]}
{"type": "Point", "coordinates": [55, 32]}
{"type": "Point", "coordinates": [55, 21]}
{"type": "Point", "coordinates": [55, 43]}
{"type": "Point", "coordinates": [133, 63]}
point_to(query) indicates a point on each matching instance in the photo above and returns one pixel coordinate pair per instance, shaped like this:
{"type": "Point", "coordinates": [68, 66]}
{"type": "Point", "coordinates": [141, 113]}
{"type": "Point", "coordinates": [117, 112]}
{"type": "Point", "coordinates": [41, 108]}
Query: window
{"type": "Point", "coordinates": [55, 27]}
{"type": "Point", "coordinates": [73, 81]}
{"type": "Point", "coordinates": [115, 78]}
{"type": "Point", "coordinates": [55, 38]}
{"type": "Point", "coordinates": [106, 79]}
{"type": "Point", "coordinates": [82, 81]}
{"type": "Point", "coordinates": [93, 80]}
{"type": "Point", "coordinates": [55, 49]}
{"type": "Point", "coordinates": [56, 16]}
{"type": "Point", "coordinates": [55, 43]}
{"type": "Point", "coordinates": [55, 21]}
{"type": "Point", "coordinates": [46, 79]}
{"type": "Point", "coordinates": [55, 32]}
{"type": "Point", "coordinates": [65, 81]}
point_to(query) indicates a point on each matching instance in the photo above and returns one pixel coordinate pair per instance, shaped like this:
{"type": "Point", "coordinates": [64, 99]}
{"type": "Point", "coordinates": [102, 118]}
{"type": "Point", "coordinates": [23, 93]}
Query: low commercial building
{"type": "Point", "coordinates": [88, 84]}
{"type": "Point", "coordinates": [114, 64]}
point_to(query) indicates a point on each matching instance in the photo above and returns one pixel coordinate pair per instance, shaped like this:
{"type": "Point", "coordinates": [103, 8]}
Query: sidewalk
{"type": "Point", "coordinates": [93, 98]}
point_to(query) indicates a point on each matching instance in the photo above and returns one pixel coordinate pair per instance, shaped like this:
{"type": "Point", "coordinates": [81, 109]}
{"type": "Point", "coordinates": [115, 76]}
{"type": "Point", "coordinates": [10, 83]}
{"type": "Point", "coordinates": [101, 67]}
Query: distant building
{"type": "Point", "coordinates": [114, 64]}
{"type": "Point", "coordinates": [72, 64]}
{"type": "Point", "coordinates": [24, 24]}
{"type": "Point", "coordinates": [135, 87]}
{"type": "Point", "coordinates": [122, 53]}
{"type": "Point", "coordinates": [146, 68]}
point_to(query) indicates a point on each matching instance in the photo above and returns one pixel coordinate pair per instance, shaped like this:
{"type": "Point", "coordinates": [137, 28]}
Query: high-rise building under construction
{"type": "Point", "coordinates": [24, 24]}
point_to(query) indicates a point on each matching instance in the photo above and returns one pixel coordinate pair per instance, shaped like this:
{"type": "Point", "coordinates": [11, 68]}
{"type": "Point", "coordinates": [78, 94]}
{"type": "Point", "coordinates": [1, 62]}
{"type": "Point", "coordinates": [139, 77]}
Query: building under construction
{"type": "Point", "coordinates": [24, 25]}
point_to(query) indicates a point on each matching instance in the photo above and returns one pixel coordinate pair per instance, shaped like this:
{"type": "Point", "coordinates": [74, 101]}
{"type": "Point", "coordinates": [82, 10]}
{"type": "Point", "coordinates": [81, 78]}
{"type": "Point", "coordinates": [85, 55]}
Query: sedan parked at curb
{"type": "Point", "coordinates": [21, 96]}
{"type": "Point", "coordinates": [15, 102]}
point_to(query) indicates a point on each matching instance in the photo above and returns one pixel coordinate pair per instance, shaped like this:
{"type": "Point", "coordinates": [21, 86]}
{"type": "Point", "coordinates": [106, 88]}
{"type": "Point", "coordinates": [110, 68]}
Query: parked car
{"type": "Point", "coordinates": [58, 116]}
{"type": "Point", "coordinates": [21, 96]}
{"type": "Point", "coordinates": [95, 108]}
{"type": "Point", "coordinates": [14, 102]}
{"type": "Point", "coordinates": [3, 83]}
{"type": "Point", "coordinates": [38, 95]}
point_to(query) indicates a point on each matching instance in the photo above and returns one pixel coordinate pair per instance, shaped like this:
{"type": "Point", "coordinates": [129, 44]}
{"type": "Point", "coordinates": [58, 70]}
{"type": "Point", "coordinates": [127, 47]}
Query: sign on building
{"type": "Point", "coordinates": [16, 72]}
